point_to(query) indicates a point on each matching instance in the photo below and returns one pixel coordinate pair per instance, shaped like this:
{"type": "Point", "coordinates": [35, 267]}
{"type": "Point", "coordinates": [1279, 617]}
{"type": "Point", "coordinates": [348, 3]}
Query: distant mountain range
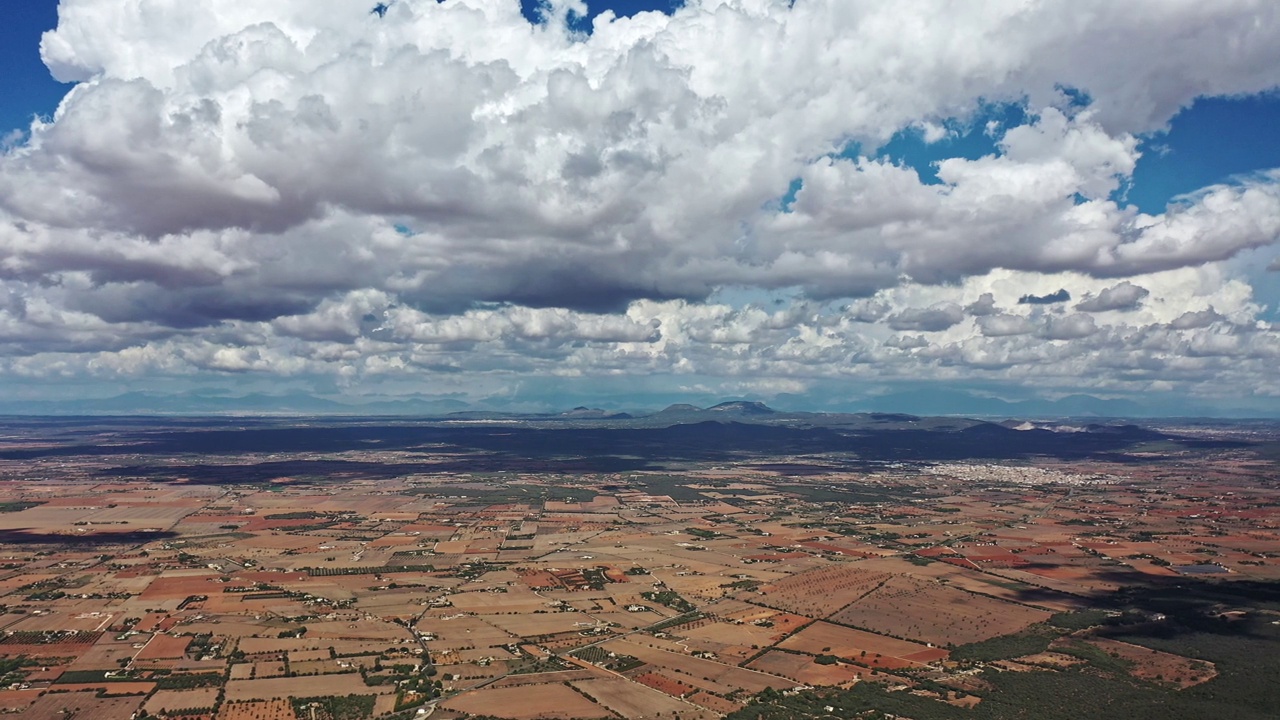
{"type": "Point", "coordinates": [582, 440]}
{"type": "Point", "coordinates": [144, 403]}
{"type": "Point", "coordinates": [921, 403]}
{"type": "Point", "coordinates": [950, 402]}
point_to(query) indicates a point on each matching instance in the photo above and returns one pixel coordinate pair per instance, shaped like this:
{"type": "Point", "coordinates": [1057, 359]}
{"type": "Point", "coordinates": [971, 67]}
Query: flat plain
{"type": "Point", "coordinates": [338, 570]}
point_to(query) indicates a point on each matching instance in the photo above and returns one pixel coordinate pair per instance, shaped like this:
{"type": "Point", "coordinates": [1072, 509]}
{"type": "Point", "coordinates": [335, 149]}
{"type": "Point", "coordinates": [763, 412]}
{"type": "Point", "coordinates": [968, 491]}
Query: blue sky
{"type": "Point", "coordinates": [1213, 141]}
{"type": "Point", "coordinates": [543, 213]}
{"type": "Point", "coordinates": [26, 88]}
{"type": "Point", "coordinates": [621, 8]}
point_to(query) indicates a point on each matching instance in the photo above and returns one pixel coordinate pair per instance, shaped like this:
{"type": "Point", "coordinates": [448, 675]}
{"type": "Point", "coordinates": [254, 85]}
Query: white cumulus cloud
{"type": "Point", "coordinates": [304, 186]}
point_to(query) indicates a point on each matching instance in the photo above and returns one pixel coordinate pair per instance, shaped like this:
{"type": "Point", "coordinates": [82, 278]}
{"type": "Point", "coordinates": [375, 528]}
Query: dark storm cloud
{"type": "Point", "coordinates": [931, 319]}
{"type": "Point", "coordinates": [1125, 296]}
{"type": "Point", "coordinates": [1060, 296]}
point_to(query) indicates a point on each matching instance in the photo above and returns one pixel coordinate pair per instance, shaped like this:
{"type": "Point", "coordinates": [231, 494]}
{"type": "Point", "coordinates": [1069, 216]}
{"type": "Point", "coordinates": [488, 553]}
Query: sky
{"type": "Point", "coordinates": [527, 205]}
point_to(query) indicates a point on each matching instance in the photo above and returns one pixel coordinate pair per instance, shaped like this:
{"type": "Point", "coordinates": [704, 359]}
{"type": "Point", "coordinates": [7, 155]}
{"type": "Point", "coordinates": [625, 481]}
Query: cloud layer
{"type": "Point", "coordinates": [305, 187]}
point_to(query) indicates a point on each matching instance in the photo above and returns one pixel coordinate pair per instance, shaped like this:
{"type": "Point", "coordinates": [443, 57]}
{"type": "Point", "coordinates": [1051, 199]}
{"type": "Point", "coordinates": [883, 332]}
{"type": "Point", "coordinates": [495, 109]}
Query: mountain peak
{"type": "Point", "coordinates": [743, 406]}
{"type": "Point", "coordinates": [681, 408]}
{"type": "Point", "coordinates": [586, 413]}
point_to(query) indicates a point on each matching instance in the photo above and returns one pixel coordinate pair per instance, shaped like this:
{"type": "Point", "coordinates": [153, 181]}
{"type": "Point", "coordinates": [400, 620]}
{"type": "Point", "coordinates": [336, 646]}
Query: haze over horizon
{"type": "Point", "coordinates": [627, 204]}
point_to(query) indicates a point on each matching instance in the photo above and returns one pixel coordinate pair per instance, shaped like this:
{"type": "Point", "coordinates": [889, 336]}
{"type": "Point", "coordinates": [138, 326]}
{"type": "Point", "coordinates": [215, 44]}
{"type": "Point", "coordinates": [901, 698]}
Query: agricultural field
{"type": "Point", "coordinates": [268, 688]}
{"type": "Point", "coordinates": [930, 612]}
{"type": "Point", "coordinates": [85, 704]}
{"type": "Point", "coordinates": [633, 700]}
{"type": "Point", "coordinates": [279, 709]}
{"type": "Point", "coordinates": [351, 584]}
{"type": "Point", "coordinates": [805, 670]}
{"type": "Point", "coordinates": [863, 647]}
{"type": "Point", "coordinates": [529, 702]}
{"type": "Point", "coordinates": [1155, 666]}
{"type": "Point", "coordinates": [162, 701]}
{"type": "Point", "coordinates": [820, 592]}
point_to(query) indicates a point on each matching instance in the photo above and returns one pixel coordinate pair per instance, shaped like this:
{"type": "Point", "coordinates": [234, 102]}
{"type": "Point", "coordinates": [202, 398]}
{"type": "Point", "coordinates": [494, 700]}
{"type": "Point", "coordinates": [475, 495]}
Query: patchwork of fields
{"type": "Point", "coordinates": [718, 590]}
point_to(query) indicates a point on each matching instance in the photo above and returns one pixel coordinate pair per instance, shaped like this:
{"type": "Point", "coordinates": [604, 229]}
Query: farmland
{"type": "Point", "coordinates": [255, 582]}
{"type": "Point", "coordinates": [821, 637]}
{"type": "Point", "coordinates": [529, 703]}
{"type": "Point", "coordinates": [934, 613]}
